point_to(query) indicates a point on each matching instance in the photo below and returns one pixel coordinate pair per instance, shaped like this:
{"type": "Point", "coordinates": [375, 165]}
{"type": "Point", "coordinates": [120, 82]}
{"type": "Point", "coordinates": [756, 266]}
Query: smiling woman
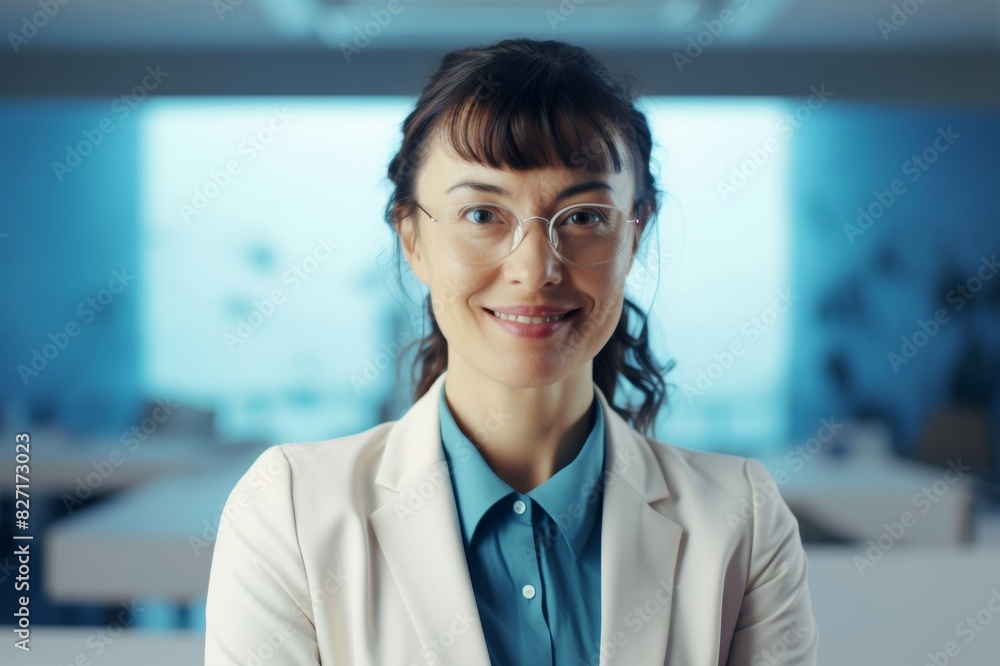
{"type": "Point", "coordinates": [515, 514]}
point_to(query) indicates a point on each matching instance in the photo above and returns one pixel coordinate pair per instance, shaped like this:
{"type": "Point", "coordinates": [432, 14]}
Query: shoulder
{"type": "Point", "coordinates": [339, 458]}
{"type": "Point", "coordinates": [738, 489]}
{"type": "Point", "coordinates": [724, 472]}
{"type": "Point", "coordinates": [321, 464]}
{"type": "Point", "coordinates": [316, 480]}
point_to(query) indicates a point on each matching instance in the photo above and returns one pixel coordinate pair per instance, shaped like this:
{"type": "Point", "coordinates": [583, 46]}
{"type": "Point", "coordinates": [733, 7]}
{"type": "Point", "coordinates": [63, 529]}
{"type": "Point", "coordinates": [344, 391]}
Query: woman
{"type": "Point", "coordinates": [514, 514]}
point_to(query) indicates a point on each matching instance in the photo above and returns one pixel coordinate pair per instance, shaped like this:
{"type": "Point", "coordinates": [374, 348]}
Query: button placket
{"type": "Point", "coordinates": [523, 519]}
{"type": "Point", "coordinates": [522, 559]}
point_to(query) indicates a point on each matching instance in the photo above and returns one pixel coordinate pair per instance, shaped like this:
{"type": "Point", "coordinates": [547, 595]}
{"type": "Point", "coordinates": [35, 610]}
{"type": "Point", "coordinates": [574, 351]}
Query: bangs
{"type": "Point", "coordinates": [551, 118]}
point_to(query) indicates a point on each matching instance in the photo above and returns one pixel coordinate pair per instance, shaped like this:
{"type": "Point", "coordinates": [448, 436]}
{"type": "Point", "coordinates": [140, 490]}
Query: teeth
{"type": "Point", "coordinates": [528, 320]}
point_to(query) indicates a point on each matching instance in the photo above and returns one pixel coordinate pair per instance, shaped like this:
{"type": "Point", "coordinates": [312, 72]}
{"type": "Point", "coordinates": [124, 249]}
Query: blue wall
{"type": "Point", "coordinates": [65, 238]}
{"type": "Point", "coordinates": [871, 281]}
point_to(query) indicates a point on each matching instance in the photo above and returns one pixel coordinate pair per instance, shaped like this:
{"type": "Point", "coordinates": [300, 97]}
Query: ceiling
{"type": "Point", "coordinates": [294, 24]}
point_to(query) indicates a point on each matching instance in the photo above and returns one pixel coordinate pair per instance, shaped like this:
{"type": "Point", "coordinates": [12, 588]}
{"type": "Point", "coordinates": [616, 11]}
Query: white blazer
{"type": "Point", "coordinates": [348, 552]}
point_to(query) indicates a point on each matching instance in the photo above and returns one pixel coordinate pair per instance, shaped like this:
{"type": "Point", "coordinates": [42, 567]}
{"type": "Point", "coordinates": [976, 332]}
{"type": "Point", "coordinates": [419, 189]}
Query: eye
{"type": "Point", "coordinates": [583, 216]}
{"type": "Point", "coordinates": [480, 215]}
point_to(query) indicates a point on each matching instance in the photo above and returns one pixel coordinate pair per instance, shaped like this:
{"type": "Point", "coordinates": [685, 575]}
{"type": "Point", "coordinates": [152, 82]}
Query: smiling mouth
{"type": "Point", "coordinates": [532, 320]}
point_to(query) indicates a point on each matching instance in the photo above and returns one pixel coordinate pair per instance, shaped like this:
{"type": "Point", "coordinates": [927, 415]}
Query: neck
{"type": "Point", "coordinates": [525, 434]}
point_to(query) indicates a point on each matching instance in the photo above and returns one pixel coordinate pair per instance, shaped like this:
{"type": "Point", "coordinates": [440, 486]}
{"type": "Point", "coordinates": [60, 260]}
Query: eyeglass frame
{"type": "Point", "coordinates": [549, 223]}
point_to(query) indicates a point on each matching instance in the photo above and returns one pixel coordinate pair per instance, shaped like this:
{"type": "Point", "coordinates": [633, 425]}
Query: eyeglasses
{"type": "Point", "coordinates": [581, 234]}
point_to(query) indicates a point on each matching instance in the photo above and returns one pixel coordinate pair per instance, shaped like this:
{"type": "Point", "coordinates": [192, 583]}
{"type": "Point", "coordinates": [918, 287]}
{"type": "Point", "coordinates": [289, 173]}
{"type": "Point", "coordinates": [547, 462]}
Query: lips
{"type": "Point", "coordinates": [532, 320]}
{"type": "Point", "coordinates": [532, 310]}
{"type": "Point", "coordinates": [538, 327]}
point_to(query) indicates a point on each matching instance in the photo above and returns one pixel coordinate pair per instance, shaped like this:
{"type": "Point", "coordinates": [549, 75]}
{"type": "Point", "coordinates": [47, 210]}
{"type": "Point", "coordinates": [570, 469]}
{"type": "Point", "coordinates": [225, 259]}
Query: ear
{"type": "Point", "coordinates": [644, 213]}
{"type": "Point", "coordinates": [640, 228]}
{"type": "Point", "coordinates": [409, 239]}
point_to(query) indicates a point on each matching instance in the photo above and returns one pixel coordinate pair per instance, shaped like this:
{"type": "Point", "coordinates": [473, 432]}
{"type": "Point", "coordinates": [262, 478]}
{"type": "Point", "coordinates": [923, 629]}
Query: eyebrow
{"type": "Point", "coordinates": [496, 189]}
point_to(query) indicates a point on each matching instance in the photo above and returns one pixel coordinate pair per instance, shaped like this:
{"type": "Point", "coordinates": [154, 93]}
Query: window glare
{"type": "Point", "coordinates": [260, 206]}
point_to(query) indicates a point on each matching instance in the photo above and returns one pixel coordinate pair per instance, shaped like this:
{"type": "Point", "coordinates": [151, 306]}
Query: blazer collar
{"type": "Point", "coordinates": [417, 528]}
{"type": "Point", "coordinates": [407, 457]}
{"type": "Point", "coordinates": [478, 488]}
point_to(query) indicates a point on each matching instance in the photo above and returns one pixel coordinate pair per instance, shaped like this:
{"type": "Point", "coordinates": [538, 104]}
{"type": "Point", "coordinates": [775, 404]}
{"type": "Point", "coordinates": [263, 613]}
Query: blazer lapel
{"type": "Point", "coordinates": [639, 547]}
{"type": "Point", "coordinates": [417, 530]}
{"type": "Point", "coordinates": [418, 533]}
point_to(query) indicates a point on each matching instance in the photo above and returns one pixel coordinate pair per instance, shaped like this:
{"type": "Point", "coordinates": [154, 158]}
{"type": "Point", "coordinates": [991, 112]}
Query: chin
{"type": "Point", "coordinates": [532, 372]}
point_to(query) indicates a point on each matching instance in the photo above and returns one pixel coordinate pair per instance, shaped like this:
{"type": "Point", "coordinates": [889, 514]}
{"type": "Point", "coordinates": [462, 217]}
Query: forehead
{"type": "Point", "coordinates": [443, 168]}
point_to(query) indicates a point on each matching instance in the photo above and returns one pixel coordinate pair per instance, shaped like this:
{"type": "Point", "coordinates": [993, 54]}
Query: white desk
{"type": "Point", "coordinates": [138, 543]}
{"type": "Point", "coordinates": [905, 606]}
{"type": "Point", "coordinates": [856, 497]}
{"type": "Point", "coordinates": [60, 462]}
{"type": "Point", "coordinates": [146, 541]}
{"type": "Point", "coordinates": [61, 646]}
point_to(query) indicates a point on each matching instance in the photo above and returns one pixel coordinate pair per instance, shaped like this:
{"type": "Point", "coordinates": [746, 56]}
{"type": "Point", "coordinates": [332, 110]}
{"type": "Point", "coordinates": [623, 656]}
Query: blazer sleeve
{"type": "Point", "coordinates": [258, 609]}
{"type": "Point", "coordinates": [775, 623]}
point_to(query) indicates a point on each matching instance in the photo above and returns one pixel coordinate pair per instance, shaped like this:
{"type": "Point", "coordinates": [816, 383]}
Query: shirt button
{"type": "Point", "coordinates": [528, 591]}
{"type": "Point", "coordinates": [519, 507]}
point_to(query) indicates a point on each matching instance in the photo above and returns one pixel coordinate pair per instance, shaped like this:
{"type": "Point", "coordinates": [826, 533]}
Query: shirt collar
{"type": "Point", "coordinates": [567, 497]}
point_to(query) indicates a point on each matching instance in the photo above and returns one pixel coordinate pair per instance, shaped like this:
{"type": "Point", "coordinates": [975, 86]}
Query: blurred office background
{"type": "Point", "coordinates": [824, 272]}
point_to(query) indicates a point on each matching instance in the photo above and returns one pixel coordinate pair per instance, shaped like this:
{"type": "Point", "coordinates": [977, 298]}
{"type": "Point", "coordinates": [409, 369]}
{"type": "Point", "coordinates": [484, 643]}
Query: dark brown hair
{"type": "Point", "coordinates": [524, 104]}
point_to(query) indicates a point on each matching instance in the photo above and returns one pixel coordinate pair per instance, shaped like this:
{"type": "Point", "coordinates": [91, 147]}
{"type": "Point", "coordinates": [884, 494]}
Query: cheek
{"type": "Point", "coordinates": [451, 293]}
{"type": "Point", "coordinates": [606, 289]}
{"type": "Point", "coordinates": [605, 319]}
{"type": "Point", "coordinates": [609, 281]}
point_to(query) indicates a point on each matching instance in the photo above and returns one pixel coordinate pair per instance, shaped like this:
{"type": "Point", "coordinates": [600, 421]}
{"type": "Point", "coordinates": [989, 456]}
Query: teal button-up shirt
{"type": "Point", "coordinates": [535, 558]}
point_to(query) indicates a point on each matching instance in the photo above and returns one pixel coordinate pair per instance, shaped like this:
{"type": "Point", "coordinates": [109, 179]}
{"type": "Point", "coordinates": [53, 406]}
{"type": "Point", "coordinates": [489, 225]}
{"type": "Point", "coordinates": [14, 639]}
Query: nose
{"type": "Point", "coordinates": [532, 261]}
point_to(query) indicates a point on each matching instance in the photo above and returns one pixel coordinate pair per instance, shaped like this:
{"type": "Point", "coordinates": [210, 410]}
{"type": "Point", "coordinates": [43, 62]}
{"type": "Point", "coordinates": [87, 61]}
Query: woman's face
{"type": "Point", "coordinates": [463, 296]}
